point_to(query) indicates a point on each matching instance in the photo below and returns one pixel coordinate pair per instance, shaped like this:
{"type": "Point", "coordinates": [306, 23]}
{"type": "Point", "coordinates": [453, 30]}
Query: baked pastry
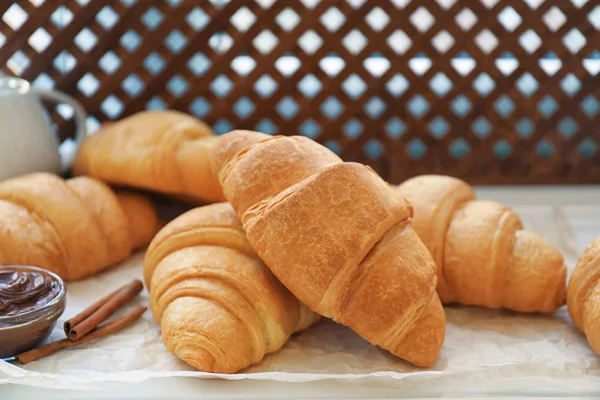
{"type": "Point", "coordinates": [336, 236]}
{"type": "Point", "coordinates": [219, 307]}
{"type": "Point", "coordinates": [161, 151]}
{"type": "Point", "coordinates": [583, 294]}
{"type": "Point", "coordinates": [74, 228]}
{"type": "Point", "coordinates": [483, 255]}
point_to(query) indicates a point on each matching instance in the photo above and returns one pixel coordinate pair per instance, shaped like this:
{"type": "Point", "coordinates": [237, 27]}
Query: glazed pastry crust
{"type": "Point", "coordinates": [336, 236]}
{"type": "Point", "coordinates": [219, 307]}
{"type": "Point", "coordinates": [162, 151]}
{"type": "Point", "coordinates": [73, 227]}
{"type": "Point", "coordinates": [583, 295]}
{"type": "Point", "coordinates": [483, 255]}
{"type": "Point", "coordinates": [441, 195]}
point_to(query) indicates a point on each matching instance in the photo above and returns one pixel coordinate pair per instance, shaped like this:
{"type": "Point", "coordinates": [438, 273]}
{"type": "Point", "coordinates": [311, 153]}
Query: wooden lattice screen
{"type": "Point", "coordinates": [491, 91]}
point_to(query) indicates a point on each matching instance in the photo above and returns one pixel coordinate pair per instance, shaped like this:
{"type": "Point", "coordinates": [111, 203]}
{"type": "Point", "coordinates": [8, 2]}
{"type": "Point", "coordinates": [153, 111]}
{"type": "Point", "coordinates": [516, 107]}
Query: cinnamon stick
{"type": "Point", "coordinates": [84, 322]}
{"type": "Point", "coordinates": [104, 330]}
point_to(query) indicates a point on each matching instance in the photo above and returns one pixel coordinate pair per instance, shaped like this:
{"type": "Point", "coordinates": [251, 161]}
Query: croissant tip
{"type": "Point", "coordinates": [228, 145]}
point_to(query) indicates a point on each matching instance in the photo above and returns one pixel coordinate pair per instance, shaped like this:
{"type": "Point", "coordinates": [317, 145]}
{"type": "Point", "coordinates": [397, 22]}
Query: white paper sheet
{"type": "Point", "coordinates": [485, 351]}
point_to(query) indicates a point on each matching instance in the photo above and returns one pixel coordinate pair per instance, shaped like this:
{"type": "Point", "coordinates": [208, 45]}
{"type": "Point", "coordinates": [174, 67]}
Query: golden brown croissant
{"type": "Point", "coordinates": [219, 307]}
{"type": "Point", "coordinates": [162, 151]}
{"type": "Point", "coordinates": [75, 227]}
{"type": "Point", "coordinates": [483, 255]}
{"type": "Point", "coordinates": [336, 236]}
{"type": "Point", "coordinates": [583, 295]}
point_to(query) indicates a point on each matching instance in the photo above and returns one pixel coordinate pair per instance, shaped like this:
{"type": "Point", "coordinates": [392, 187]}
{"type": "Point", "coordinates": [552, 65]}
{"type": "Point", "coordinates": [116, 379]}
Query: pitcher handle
{"type": "Point", "coordinates": [67, 149]}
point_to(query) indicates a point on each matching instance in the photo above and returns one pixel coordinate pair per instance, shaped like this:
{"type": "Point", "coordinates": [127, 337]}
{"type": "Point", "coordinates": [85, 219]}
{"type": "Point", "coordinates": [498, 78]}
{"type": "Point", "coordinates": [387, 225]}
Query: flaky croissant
{"type": "Point", "coordinates": [74, 228]}
{"type": "Point", "coordinates": [583, 294]}
{"type": "Point", "coordinates": [336, 236]}
{"type": "Point", "coordinates": [219, 307]}
{"type": "Point", "coordinates": [162, 151]}
{"type": "Point", "coordinates": [483, 255]}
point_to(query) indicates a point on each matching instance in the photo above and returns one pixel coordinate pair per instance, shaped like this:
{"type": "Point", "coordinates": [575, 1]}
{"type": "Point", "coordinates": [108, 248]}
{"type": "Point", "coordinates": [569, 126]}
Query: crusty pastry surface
{"type": "Point", "coordinates": [163, 151]}
{"type": "Point", "coordinates": [74, 227]}
{"type": "Point", "coordinates": [219, 307]}
{"type": "Point", "coordinates": [483, 255]}
{"type": "Point", "coordinates": [583, 295]}
{"type": "Point", "coordinates": [337, 237]}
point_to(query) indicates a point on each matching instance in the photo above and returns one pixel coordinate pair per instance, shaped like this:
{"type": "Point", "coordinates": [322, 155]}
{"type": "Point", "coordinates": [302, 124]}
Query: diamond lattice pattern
{"type": "Point", "coordinates": [490, 91]}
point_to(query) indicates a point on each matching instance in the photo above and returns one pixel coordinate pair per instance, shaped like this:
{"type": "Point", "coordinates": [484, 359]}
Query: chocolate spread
{"type": "Point", "coordinates": [31, 300]}
{"type": "Point", "coordinates": [22, 291]}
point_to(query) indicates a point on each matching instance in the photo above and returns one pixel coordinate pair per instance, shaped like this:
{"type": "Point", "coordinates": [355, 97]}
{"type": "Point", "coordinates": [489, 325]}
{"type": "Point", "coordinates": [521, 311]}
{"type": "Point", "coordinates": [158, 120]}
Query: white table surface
{"type": "Point", "coordinates": [581, 206]}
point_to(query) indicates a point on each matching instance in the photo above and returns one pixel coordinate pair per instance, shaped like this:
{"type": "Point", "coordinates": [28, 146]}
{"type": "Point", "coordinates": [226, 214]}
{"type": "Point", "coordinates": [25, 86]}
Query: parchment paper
{"type": "Point", "coordinates": [485, 351]}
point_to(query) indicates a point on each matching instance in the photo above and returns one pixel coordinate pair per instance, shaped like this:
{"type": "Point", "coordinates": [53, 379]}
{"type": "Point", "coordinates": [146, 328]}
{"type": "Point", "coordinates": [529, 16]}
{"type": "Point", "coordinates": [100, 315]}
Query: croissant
{"type": "Point", "coordinates": [219, 307]}
{"type": "Point", "coordinates": [483, 255]}
{"type": "Point", "coordinates": [162, 151]}
{"type": "Point", "coordinates": [74, 227]}
{"type": "Point", "coordinates": [583, 294]}
{"type": "Point", "coordinates": [335, 235]}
